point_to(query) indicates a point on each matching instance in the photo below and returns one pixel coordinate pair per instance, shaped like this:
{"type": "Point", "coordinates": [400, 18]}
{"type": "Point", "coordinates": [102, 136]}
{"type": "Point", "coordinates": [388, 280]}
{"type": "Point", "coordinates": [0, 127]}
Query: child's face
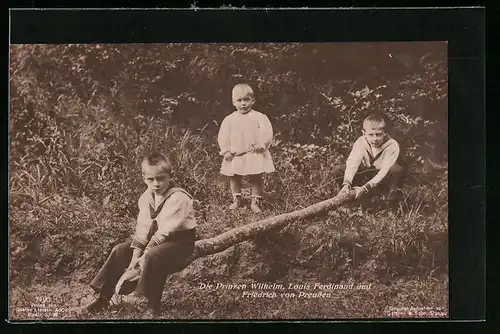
{"type": "Point", "coordinates": [157, 179]}
{"type": "Point", "coordinates": [243, 102]}
{"type": "Point", "coordinates": [374, 133]}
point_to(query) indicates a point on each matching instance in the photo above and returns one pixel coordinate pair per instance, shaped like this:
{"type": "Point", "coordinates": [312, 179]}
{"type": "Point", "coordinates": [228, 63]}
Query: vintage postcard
{"type": "Point", "coordinates": [228, 181]}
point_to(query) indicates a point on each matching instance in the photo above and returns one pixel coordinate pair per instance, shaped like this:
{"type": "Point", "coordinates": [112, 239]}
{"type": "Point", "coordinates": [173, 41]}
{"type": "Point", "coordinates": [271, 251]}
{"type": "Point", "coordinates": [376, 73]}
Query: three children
{"type": "Point", "coordinates": [165, 231]}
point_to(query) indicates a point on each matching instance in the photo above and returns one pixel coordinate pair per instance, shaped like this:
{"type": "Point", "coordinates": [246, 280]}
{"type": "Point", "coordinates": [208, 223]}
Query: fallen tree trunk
{"type": "Point", "coordinates": [236, 235]}
{"type": "Point", "coordinates": [217, 244]}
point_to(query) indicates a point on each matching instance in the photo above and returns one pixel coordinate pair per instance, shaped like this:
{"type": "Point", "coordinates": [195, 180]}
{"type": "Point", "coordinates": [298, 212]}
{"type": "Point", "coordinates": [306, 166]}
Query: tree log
{"type": "Point", "coordinates": [236, 235]}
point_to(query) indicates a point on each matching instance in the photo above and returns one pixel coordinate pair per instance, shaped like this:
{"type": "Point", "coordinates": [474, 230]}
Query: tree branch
{"type": "Point", "coordinates": [232, 237]}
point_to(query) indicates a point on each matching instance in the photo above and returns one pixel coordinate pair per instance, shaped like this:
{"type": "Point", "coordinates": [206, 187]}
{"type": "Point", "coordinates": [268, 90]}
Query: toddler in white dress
{"type": "Point", "coordinates": [244, 139]}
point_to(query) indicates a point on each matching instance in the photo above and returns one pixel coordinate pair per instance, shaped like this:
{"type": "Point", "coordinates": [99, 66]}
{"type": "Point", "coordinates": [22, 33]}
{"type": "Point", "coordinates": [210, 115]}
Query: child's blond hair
{"type": "Point", "coordinates": [244, 89]}
{"type": "Point", "coordinates": [375, 119]}
{"type": "Point", "coordinates": [156, 159]}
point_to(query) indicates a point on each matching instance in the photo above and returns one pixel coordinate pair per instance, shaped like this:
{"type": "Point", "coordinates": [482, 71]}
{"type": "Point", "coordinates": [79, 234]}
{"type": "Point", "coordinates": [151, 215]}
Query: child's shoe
{"type": "Point", "coordinates": [98, 305]}
{"type": "Point", "coordinates": [254, 206]}
{"type": "Point", "coordinates": [236, 202]}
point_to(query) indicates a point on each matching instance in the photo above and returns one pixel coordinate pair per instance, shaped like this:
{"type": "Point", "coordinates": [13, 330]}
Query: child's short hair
{"type": "Point", "coordinates": [157, 159]}
{"type": "Point", "coordinates": [376, 118]}
{"type": "Point", "coordinates": [246, 89]}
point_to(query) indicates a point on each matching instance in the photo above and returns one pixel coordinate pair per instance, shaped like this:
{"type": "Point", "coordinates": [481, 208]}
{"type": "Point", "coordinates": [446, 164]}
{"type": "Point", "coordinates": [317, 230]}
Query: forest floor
{"type": "Point", "coordinates": [362, 291]}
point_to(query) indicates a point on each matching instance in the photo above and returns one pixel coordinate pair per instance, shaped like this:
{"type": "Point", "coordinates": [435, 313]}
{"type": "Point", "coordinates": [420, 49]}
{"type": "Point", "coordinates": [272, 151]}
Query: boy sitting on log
{"type": "Point", "coordinates": [163, 240]}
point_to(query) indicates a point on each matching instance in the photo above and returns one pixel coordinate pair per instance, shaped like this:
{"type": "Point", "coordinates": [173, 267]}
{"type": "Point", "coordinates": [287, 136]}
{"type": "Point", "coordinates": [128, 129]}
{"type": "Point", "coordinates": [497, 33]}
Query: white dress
{"type": "Point", "coordinates": [239, 134]}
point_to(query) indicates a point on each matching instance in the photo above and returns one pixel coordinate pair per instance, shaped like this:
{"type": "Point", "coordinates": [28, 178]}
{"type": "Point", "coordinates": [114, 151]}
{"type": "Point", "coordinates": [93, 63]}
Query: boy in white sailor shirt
{"type": "Point", "coordinates": [163, 240]}
{"type": "Point", "coordinates": [375, 157]}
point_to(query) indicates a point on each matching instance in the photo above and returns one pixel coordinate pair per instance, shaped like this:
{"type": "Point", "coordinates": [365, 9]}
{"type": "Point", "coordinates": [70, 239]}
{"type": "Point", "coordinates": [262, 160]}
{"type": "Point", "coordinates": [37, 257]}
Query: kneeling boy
{"type": "Point", "coordinates": [374, 157]}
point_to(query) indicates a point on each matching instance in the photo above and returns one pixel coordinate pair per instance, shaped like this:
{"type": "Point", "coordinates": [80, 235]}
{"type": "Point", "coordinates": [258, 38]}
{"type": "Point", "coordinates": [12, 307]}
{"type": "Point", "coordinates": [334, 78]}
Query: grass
{"type": "Point", "coordinates": [183, 301]}
{"type": "Point", "coordinates": [402, 253]}
{"type": "Point", "coordinates": [68, 209]}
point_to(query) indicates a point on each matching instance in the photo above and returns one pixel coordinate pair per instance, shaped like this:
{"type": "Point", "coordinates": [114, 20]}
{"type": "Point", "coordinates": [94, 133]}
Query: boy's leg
{"type": "Point", "coordinates": [396, 177]}
{"type": "Point", "coordinates": [257, 182]}
{"type": "Point", "coordinates": [235, 185]}
{"type": "Point", "coordinates": [362, 176]}
{"type": "Point", "coordinates": [109, 274]}
{"type": "Point", "coordinates": [162, 260]}
{"type": "Point", "coordinates": [390, 185]}
{"type": "Point", "coordinates": [395, 180]}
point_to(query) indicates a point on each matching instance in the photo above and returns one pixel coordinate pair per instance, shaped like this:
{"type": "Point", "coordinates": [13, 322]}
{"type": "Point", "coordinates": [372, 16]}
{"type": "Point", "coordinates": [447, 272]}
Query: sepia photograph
{"type": "Point", "coordinates": [228, 181]}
